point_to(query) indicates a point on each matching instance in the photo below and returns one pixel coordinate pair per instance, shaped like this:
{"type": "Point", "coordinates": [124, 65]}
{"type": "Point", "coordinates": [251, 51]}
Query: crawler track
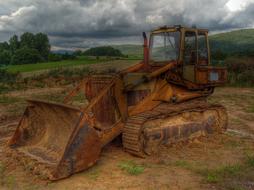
{"type": "Point", "coordinates": [133, 141]}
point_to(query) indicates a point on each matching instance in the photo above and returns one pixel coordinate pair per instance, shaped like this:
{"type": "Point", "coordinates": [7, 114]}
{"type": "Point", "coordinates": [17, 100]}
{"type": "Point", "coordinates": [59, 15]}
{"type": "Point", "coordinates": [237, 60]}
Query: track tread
{"type": "Point", "coordinates": [133, 128]}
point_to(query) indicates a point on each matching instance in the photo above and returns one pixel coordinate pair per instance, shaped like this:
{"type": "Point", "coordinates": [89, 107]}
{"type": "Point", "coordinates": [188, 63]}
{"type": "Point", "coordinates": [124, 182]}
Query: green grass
{"type": "Point", "coordinates": [131, 167]}
{"type": "Point", "coordinates": [183, 164]}
{"type": "Point", "coordinates": [250, 160]}
{"type": "Point", "coordinates": [52, 65]}
{"type": "Point", "coordinates": [6, 181]}
{"type": "Point", "coordinates": [2, 170]}
{"type": "Point", "coordinates": [231, 177]}
{"type": "Point", "coordinates": [93, 173]}
{"type": "Point", "coordinates": [251, 109]}
{"type": "Point", "coordinates": [9, 100]}
{"type": "Point", "coordinates": [217, 175]}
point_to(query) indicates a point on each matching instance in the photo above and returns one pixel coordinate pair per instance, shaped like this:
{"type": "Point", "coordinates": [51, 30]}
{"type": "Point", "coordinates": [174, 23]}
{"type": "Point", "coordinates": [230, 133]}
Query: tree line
{"type": "Point", "coordinates": [29, 48]}
{"type": "Point", "coordinates": [102, 51]}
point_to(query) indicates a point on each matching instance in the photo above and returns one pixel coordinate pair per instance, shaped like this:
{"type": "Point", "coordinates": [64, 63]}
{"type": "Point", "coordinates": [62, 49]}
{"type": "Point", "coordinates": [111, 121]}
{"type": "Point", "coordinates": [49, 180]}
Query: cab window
{"type": "Point", "coordinates": [164, 46]}
{"type": "Point", "coordinates": [202, 49]}
{"type": "Point", "coordinates": [190, 46]}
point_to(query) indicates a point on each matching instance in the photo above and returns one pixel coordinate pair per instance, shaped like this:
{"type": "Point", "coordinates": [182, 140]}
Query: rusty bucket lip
{"type": "Point", "coordinates": [54, 103]}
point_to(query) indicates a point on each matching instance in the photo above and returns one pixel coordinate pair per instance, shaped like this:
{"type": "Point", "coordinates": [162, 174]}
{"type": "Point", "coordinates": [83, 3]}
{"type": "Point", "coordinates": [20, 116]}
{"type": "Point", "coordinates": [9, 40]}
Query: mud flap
{"type": "Point", "coordinates": [54, 140]}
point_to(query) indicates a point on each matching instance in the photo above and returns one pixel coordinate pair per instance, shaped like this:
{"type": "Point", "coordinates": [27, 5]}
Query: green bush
{"type": "Point", "coordinates": [5, 57]}
{"type": "Point", "coordinates": [25, 56]}
{"type": "Point", "coordinates": [67, 73]}
{"type": "Point", "coordinates": [54, 57]}
{"type": "Point", "coordinates": [31, 48]}
{"type": "Point", "coordinates": [6, 77]}
{"type": "Point", "coordinates": [131, 167]}
{"type": "Point", "coordinates": [240, 71]}
{"type": "Point", "coordinates": [104, 51]}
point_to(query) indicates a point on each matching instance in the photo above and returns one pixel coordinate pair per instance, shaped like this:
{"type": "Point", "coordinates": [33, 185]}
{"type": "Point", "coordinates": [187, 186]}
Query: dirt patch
{"type": "Point", "coordinates": [216, 162]}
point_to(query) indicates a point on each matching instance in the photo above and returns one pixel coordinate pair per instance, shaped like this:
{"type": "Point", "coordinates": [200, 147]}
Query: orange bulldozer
{"type": "Point", "coordinates": [160, 101]}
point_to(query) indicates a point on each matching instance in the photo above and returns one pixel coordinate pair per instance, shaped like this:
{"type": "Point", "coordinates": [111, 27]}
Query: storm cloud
{"type": "Point", "coordinates": [86, 23]}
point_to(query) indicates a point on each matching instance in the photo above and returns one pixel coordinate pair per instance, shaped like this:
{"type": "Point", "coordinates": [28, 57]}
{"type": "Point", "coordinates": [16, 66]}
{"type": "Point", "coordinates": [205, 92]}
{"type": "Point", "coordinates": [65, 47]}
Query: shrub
{"type": "Point", "coordinates": [131, 167]}
{"type": "Point", "coordinates": [25, 56]}
{"type": "Point", "coordinates": [241, 71]}
{"type": "Point", "coordinates": [104, 51]}
{"type": "Point", "coordinates": [54, 57]}
{"type": "Point", "coordinates": [5, 57]}
{"type": "Point", "coordinates": [6, 77]}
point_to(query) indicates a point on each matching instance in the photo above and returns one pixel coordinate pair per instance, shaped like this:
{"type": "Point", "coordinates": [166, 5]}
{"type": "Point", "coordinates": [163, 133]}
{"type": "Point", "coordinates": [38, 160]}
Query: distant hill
{"type": "Point", "coordinates": [239, 42]}
{"type": "Point", "coordinates": [61, 52]}
{"type": "Point", "coordinates": [245, 36]}
{"type": "Point", "coordinates": [234, 43]}
{"type": "Point", "coordinates": [131, 50]}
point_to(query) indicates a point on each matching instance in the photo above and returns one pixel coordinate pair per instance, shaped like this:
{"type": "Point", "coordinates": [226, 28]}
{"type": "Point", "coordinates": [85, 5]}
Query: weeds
{"type": "Point", "coordinates": [232, 143]}
{"type": "Point", "coordinates": [251, 109]}
{"type": "Point", "coordinates": [67, 73]}
{"type": "Point", "coordinates": [2, 170]}
{"type": "Point", "coordinates": [31, 187]}
{"type": "Point", "coordinates": [233, 177]}
{"type": "Point", "coordinates": [131, 168]}
{"type": "Point", "coordinates": [93, 173]}
{"type": "Point", "coordinates": [183, 164]}
{"type": "Point", "coordinates": [4, 88]}
{"type": "Point", "coordinates": [8, 100]}
{"type": "Point", "coordinates": [250, 160]}
{"type": "Point", "coordinates": [7, 181]}
{"type": "Point", "coordinates": [241, 71]}
{"type": "Point", "coordinates": [6, 77]}
{"type": "Point", "coordinates": [217, 175]}
{"type": "Point", "coordinates": [10, 182]}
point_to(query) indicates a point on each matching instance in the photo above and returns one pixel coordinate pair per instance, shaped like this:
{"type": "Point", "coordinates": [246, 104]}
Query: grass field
{"type": "Point", "coordinates": [53, 65]}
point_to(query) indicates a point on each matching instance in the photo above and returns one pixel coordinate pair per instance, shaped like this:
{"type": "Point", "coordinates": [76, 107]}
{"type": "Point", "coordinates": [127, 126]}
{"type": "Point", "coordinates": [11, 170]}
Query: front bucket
{"type": "Point", "coordinates": [54, 141]}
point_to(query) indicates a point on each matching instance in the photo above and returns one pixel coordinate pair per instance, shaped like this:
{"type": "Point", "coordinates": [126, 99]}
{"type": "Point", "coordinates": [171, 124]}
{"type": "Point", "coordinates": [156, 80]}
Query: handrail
{"type": "Point", "coordinates": [148, 77]}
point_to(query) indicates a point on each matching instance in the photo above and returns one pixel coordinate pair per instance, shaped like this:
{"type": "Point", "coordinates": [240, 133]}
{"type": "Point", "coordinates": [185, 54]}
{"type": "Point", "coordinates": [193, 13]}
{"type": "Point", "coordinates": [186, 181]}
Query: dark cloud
{"type": "Point", "coordinates": [85, 23]}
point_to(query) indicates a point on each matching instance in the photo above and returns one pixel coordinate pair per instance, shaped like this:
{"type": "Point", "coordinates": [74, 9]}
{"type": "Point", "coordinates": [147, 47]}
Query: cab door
{"type": "Point", "coordinates": [190, 55]}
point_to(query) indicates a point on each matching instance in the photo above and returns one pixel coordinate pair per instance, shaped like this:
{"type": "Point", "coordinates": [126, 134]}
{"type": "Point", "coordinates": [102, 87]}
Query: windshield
{"type": "Point", "coordinates": [164, 46]}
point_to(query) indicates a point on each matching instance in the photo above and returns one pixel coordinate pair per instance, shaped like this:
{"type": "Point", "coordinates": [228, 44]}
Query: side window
{"type": "Point", "coordinates": [190, 44]}
{"type": "Point", "coordinates": [202, 49]}
{"type": "Point", "coordinates": [165, 46]}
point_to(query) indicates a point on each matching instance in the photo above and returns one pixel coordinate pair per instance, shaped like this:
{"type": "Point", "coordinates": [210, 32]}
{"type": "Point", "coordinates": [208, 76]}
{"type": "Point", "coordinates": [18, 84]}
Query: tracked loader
{"type": "Point", "coordinates": [160, 101]}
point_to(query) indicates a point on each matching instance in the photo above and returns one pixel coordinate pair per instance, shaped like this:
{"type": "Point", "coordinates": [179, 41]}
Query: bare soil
{"type": "Point", "coordinates": [215, 162]}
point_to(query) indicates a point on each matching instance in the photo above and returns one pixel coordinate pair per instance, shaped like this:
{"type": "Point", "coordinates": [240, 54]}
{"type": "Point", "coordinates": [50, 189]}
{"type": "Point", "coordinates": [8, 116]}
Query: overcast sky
{"type": "Point", "coordinates": [86, 23]}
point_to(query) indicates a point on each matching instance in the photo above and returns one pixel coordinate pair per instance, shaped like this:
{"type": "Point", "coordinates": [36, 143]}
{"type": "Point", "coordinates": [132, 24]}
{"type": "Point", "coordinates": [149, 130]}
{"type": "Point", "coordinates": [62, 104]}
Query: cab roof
{"type": "Point", "coordinates": [177, 28]}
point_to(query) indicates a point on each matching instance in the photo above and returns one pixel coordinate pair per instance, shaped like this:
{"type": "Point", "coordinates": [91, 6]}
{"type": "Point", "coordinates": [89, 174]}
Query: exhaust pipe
{"type": "Point", "coordinates": [146, 49]}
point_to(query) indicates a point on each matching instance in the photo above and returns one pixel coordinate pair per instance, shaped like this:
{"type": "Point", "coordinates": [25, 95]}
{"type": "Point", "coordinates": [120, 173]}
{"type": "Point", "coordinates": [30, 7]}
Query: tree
{"type": "Point", "coordinates": [42, 45]}
{"type": "Point", "coordinates": [26, 55]}
{"type": "Point", "coordinates": [4, 46]}
{"type": "Point", "coordinates": [77, 53]}
{"type": "Point", "coordinates": [27, 40]}
{"type": "Point", "coordinates": [5, 57]}
{"type": "Point", "coordinates": [54, 57]}
{"type": "Point", "coordinates": [104, 51]}
{"type": "Point", "coordinates": [14, 43]}
{"type": "Point", "coordinates": [218, 55]}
